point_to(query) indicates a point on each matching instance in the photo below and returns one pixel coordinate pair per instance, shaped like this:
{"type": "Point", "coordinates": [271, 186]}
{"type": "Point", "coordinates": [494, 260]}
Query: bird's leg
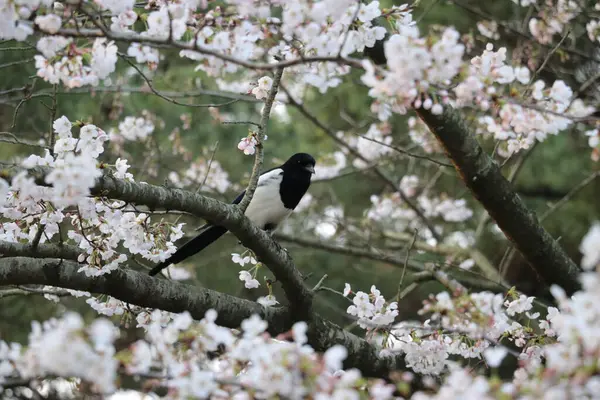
{"type": "Point", "coordinates": [271, 231]}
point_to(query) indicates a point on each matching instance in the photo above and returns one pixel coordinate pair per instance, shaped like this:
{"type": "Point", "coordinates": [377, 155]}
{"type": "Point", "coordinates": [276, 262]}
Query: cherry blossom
{"type": "Point", "coordinates": [133, 128]}
{"type": "Point", "coordinates": [248, 145]}
{"type": "Point", "coordinates": [49, 23]}
{"type": "Point", "coordinates": [264, 85]}
{"type": "Point", "coordinates": [248, 279]}
{"type": "Point", "coordinates": [590, 247]}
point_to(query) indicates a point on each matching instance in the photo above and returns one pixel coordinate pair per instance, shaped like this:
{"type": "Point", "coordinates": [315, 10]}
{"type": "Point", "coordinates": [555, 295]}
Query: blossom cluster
{"type": "Point", "coordinates": [65, 347]}
{"type": "Point", "coordinates": [73, 172]}
{"type": "Point", "coordinates": [592, 27]}
{"type": "Point", "coordinates": [517, 123]}
{"type": "Point", "coordinates": [203, 174]}
{"type": "Point", "coordinates": [99, 225]}
{"type": "Point", "coordinates": [414, 65]}
{"type": "Point", "coordinates": [420, 69]}
{"type": "Point", "coordinates": [248, 276]}
{"type": "Point", "coordinates": [15, 15]}
{"type": "Point", "coordinates": [371, 309]}
{"type": "Point", "coordinates": [132, 128]}
{"type": "Point", "coordinates": [250, 281]}
{"type": "Point", "coordinates": [177, 351]}
{"type": "Point", "coordinates": [552, 18]}
{"type": "Point", "coordinates": [62, 62]}
{"type": "Point", "coordinates": [391, 211]}
{"type": "Point", "coordinates": [557, 352]}
{"type": "Point", "coordinates": [558, 362]}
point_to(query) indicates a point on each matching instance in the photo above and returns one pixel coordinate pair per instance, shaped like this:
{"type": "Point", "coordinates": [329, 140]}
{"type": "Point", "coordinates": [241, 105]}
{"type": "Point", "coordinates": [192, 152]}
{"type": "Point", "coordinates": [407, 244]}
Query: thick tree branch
{"type": "Point", "coordinates": [218, 213]}
{"type": "Point", "coordinates": [139, 289]}
{"type": "Point", "coordinates": [142, 290]}
{"type": "Point", "coordinates": [520, 225]}
{"type": "Point", "coordinates": [30, 291]}
{"type": "Point", "coordinates": [47, 250]}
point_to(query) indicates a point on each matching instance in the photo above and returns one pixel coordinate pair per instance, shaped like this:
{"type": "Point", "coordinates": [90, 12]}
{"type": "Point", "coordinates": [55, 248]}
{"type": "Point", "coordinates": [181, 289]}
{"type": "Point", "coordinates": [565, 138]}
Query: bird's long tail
{"type": "Point", "coordinates": [192, 247]}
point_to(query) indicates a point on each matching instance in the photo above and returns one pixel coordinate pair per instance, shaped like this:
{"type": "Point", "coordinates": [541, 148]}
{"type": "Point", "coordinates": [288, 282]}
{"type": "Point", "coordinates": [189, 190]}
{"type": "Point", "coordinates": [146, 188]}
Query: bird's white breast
{"type": "Point", "coordinates": [266, 206]}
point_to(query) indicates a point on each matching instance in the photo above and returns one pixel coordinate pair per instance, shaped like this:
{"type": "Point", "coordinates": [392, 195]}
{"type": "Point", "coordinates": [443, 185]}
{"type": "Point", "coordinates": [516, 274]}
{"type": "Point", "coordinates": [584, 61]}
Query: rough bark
{"type": "Point", "coordinates": [145, 291]}
{"type": "Point", "coordinates": [139, 289]}
{"type": "Point", "coordinates": [47, 250]}
{"type": "Point", "coordinates": [484, 178]}
{"type": "Point", "coordinates": [217, 212]}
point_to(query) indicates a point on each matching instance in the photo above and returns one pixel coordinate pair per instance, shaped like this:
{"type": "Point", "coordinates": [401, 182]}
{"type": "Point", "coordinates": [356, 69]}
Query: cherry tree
{"type": "Point", "coordinates": [76, 222]}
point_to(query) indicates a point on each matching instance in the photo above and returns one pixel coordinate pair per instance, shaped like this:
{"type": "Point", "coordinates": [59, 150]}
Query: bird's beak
{"type": "Point", "coordinates": [310, 168]}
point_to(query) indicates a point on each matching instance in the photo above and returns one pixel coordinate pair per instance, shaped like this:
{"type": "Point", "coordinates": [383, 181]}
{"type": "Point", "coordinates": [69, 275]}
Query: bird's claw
{"type": "Point", "coordinates": [281, 248]}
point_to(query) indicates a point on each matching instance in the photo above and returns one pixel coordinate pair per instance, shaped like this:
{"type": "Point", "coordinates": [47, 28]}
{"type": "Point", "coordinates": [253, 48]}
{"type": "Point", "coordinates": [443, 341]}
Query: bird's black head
{"type": "Point", "coordinates": [300, 162]}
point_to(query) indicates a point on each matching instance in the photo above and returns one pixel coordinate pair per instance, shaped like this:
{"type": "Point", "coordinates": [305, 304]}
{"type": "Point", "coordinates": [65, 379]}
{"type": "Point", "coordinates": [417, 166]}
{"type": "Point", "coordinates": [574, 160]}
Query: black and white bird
{"type": "Point", "coordinates": [277, 194]}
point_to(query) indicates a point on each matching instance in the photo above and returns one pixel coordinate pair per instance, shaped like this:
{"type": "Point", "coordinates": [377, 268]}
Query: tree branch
{"type": "Point", "coordinates": [139, 289]}
{"type": "Point", "coordinates": [30, 291]}
{"type": "Point", "coordinates": [260, 137]}
{"type": "Point", "coordinates": [47, 250]}
{"type": "Point", "coordinates": [493, 283]}
{"type": "Point", "coordinates": [218, 213]}
{"type": "Point", "coordinates": [156, 42]}
{"type": "Point", "coordinates": [142, 290]}
{"type": "Point", "coordinates": [483, 177]}
{"type": "Point", "coordinates": [165, 97]}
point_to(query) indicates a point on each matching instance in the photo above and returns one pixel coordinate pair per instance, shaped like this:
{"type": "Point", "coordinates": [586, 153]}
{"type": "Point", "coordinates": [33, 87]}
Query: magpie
{"type": "Point", "coordinates": [277, 194]}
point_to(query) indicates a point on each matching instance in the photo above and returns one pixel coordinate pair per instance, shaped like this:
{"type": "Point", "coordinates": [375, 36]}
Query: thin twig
{"type": "Point", "coordinates": [13, 90]}
{"type": "Point", "coordinates": [167, 98]}
{"type": "Point", "coordinates": [345, 174]}
{"type": "Point", "coordinates": [156, 42]}
{"type": "Point", "coordinates": [405, 152]}
{"type": "Point", "coordinates": [551, 112]}
{"type": "Point", "coordinates": [210, 161]}
{"type": "Point", "coordinates": [169, 93]}
{"type": "Point", "coordinates": [52, 118]}
{"type": "Point", "coordinates": [25, 291]}
{"type": "Point", "coordinates": [523, 34]}
{"type": "Point", "coordinates": [546, 59]}
{"type": "Point", "coordinates": [347, 33]}
{"type": "Point", "coordinates": [483, 282]}
{"type": "Point", "coordinates": [319, 284]}
{"type": "Point", "coordinates": [569, 195]}
{"type": "Point", "coordinates": [12, 64]}
{"type": "Point", "coordinates": [260, 136]}
{"type": "Point", "coordinates": [15, 140]}
{"type": "Point", "coordinates": [17, 48]}
{"type": "Point", "coordinates": [241, 123]}
{"type": "Point", "coordinates": [405, 267]}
